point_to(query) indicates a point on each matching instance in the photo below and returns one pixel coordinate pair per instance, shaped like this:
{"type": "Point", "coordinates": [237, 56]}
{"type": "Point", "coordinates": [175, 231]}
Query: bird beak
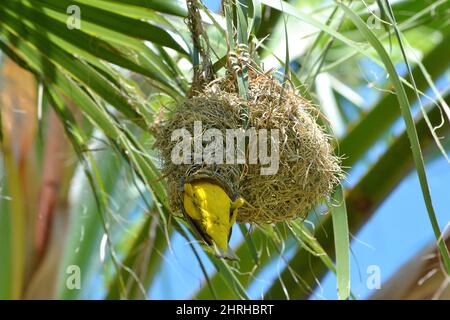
{"type": "Point", "coordinates": [229, 254]}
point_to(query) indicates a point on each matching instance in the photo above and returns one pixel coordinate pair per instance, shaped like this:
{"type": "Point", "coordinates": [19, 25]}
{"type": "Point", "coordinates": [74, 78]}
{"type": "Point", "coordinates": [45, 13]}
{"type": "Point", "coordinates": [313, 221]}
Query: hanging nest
{"type": "Point", "coordinates": [308, 169]}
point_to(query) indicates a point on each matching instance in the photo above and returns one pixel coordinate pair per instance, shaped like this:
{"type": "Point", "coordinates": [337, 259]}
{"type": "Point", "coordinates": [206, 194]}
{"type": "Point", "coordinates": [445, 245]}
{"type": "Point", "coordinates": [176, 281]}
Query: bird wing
{"type": "Point", "coordinates": [192, 213]}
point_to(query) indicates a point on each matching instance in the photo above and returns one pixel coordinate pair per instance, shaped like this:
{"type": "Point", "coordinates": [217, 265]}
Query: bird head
{"type": "Point", "coordinates": [219, 235]}
{"type": "Point", "coordinates": [220, 229]}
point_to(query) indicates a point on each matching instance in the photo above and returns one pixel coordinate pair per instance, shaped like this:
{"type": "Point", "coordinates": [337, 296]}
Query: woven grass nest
{"type": "Point", "coordinates": [308, 170]}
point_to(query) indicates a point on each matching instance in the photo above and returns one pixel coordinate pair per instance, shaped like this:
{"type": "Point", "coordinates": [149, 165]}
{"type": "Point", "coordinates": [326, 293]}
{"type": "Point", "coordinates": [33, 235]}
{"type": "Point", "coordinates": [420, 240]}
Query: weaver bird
{"type": "Point", "coordinates": [211, 212]}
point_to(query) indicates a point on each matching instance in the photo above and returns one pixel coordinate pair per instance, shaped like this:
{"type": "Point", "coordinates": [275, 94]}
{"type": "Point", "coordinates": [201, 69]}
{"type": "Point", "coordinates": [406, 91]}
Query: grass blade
{"type": "Point", "coordinates": [93, 17]}
{"type": "Point", "coordinates": [341, 243]}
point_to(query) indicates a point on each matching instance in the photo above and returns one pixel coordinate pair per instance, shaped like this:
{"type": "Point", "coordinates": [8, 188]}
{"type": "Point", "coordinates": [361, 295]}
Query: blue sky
{"type": "Point", "coordinates": [398, 230]}
{"type": "Point", "coordinates": [213, 5]}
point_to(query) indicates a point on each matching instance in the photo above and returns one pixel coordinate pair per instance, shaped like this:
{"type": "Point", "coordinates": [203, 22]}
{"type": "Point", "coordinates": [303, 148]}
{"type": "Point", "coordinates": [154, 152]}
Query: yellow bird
{"type": "Point", "coordinates": [210, 211]}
